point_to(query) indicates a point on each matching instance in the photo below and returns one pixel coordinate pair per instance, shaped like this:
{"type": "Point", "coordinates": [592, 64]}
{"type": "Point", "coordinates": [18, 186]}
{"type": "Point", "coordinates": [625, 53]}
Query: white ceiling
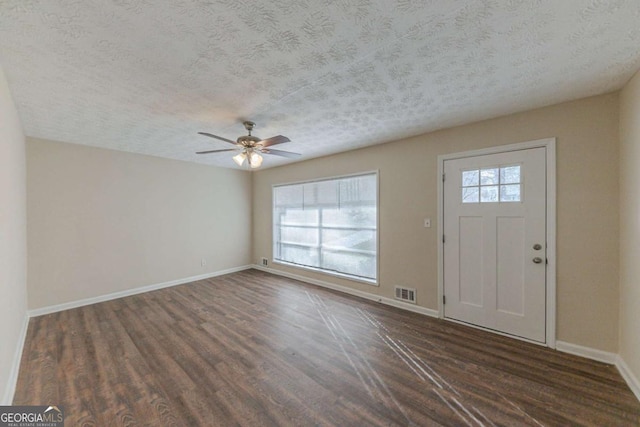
{"type": "Point", "coordinates": [332, 75]}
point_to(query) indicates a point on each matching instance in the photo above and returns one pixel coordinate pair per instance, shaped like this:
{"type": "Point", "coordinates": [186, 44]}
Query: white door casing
{"type": "Point", "coordinates": [494, 272]}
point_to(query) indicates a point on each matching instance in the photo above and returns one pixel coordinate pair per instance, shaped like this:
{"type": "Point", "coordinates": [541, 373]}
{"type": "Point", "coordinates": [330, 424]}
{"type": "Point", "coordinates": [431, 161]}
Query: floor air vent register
{"type": "Point", "coordinates": [405, 294]}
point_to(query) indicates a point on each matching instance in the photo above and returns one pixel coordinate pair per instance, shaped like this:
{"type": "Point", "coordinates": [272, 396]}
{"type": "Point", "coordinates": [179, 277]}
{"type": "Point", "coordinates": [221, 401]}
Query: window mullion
{"type": "Point", "coordinates": [320, 255]}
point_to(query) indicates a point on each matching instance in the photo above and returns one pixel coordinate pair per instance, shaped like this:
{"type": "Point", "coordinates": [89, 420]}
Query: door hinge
{"type": "Point", "coordinates": [443, 239]}
{"type": "Point", "coordinates": [443, 177]}
{"type": "Point", "coordinates": [444, 299]}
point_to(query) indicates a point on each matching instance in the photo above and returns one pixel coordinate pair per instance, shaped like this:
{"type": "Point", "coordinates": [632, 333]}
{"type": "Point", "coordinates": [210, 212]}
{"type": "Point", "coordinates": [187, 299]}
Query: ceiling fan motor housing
{"type": "Point", "coordinates": [248, 140]}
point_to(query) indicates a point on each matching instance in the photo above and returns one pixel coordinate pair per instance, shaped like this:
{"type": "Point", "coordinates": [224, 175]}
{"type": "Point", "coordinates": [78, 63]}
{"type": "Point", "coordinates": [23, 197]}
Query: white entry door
{"type": "Point", "coordinates": [494, 242]}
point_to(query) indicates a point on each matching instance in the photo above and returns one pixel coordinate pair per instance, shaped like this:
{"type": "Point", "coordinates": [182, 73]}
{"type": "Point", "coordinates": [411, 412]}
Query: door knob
{"type": "Point", "coordinates": [537, 260]}
{"type": "Point", "coordinates": [537, 246]}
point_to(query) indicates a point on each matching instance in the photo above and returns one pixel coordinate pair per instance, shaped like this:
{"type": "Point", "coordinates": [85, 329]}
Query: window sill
{"type": "Point", "coordinates": [329, 273]}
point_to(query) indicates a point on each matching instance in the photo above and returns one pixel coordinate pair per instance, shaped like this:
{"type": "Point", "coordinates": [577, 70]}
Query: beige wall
{"type": "Point", "coordinates": [630, 225]}
{"type": "Point", "coordinates": [103, 221]}
{"type": "Point", "coordinates": [587, 208]}
{"type": "Point", "coordinates": [13, 238]}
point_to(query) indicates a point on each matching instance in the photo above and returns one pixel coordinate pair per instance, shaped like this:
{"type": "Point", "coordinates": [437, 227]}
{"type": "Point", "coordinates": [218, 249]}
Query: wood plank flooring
{"type": "Point", "coordinates": [254, 349]}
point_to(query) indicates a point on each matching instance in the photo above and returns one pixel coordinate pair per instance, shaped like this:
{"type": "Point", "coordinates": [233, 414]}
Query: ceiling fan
{"type": "Point", "coordinates": [251, 147]}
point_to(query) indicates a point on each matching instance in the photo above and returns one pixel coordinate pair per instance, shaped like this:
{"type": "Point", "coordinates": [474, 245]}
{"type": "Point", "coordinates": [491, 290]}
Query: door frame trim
{"type": "Point", "coordinates": [550, 151]}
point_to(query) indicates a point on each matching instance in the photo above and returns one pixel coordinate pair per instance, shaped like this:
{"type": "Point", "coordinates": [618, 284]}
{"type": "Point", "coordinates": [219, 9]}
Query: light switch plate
{"type": "Point", "coordinates": [427, 223]}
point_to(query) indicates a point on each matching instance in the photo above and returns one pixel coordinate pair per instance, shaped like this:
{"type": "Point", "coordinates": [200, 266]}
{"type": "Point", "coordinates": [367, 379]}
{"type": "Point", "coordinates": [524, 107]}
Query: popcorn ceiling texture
{"type": "Point", "coordinates": [332, 75]}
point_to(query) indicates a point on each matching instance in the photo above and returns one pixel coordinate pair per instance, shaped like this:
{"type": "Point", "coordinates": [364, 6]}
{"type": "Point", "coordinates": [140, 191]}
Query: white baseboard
{"type": "Point", "coordinates": [108, 297]}
{"type": "Point", "coordinates": [366, 295]}
{"type": "Point", "coordinates": [588, 352]}
{"type": "Point", "coordinates": [12, 381]}
{"type": "Point", "coordinates": [629, 377]}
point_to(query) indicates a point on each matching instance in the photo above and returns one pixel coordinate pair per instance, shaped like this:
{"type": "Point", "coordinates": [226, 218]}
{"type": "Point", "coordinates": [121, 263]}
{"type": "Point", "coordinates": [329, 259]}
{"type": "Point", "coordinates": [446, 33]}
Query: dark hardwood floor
{"type": "Point", "coordinates": [255, 349]}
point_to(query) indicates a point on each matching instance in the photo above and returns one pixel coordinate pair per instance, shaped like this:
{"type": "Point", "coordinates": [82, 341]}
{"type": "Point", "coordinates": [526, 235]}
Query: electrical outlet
{"type": "Point", "coordinates": [265, 262]}
{"type": "Point", "coordinates": [203, 262]}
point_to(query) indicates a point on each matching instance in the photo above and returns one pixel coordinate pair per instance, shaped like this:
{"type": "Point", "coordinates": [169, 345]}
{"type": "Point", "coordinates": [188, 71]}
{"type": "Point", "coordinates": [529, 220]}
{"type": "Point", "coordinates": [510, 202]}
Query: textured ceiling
{"type": "Point", "coordinates": [332, 75]}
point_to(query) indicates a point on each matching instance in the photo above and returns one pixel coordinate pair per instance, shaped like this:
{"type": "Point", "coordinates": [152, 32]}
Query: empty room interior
{"type": "Point", "coordinates": [296, 212]}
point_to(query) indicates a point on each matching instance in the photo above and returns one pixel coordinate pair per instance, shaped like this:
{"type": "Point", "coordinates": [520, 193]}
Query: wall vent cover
{"type": "Point", "coordinates": [405, 294]}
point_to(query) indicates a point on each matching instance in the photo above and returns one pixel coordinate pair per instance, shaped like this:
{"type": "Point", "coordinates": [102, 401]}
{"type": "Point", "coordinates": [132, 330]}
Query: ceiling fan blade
{"type": "Point", "coordinates": [218, 137]}
{"type": "Point", "coordinates": [281, 153]}
{"type": "Point", "coordinates": [274, 140]}
{"type": "Point", "coordinates": [216, 151]}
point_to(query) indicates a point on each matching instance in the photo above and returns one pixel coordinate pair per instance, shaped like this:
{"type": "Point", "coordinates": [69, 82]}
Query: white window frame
{"type": "Point", "coordinates": [373, 282]}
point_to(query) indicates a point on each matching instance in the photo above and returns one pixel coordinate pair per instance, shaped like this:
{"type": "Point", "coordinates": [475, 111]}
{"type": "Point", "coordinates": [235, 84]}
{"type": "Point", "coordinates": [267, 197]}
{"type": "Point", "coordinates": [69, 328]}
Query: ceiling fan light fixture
{"type": "Point", "coordinates": [239, 158]}
{"type": "Point", "coordinates": [255, 160]}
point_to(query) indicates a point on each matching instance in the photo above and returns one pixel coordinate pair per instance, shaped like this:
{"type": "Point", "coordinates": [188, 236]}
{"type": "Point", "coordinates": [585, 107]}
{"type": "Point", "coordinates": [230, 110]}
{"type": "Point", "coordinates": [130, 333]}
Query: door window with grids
{"type": "Point", "coordinates": [329, 225]}
{"type": "Point", "coordinates": [492, 185]}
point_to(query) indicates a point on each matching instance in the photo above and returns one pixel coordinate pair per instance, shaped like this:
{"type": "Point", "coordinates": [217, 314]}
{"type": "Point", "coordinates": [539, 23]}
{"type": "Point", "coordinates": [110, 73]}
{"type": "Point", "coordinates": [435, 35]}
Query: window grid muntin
{"type": "Point", "coordinates": [496, 184]}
